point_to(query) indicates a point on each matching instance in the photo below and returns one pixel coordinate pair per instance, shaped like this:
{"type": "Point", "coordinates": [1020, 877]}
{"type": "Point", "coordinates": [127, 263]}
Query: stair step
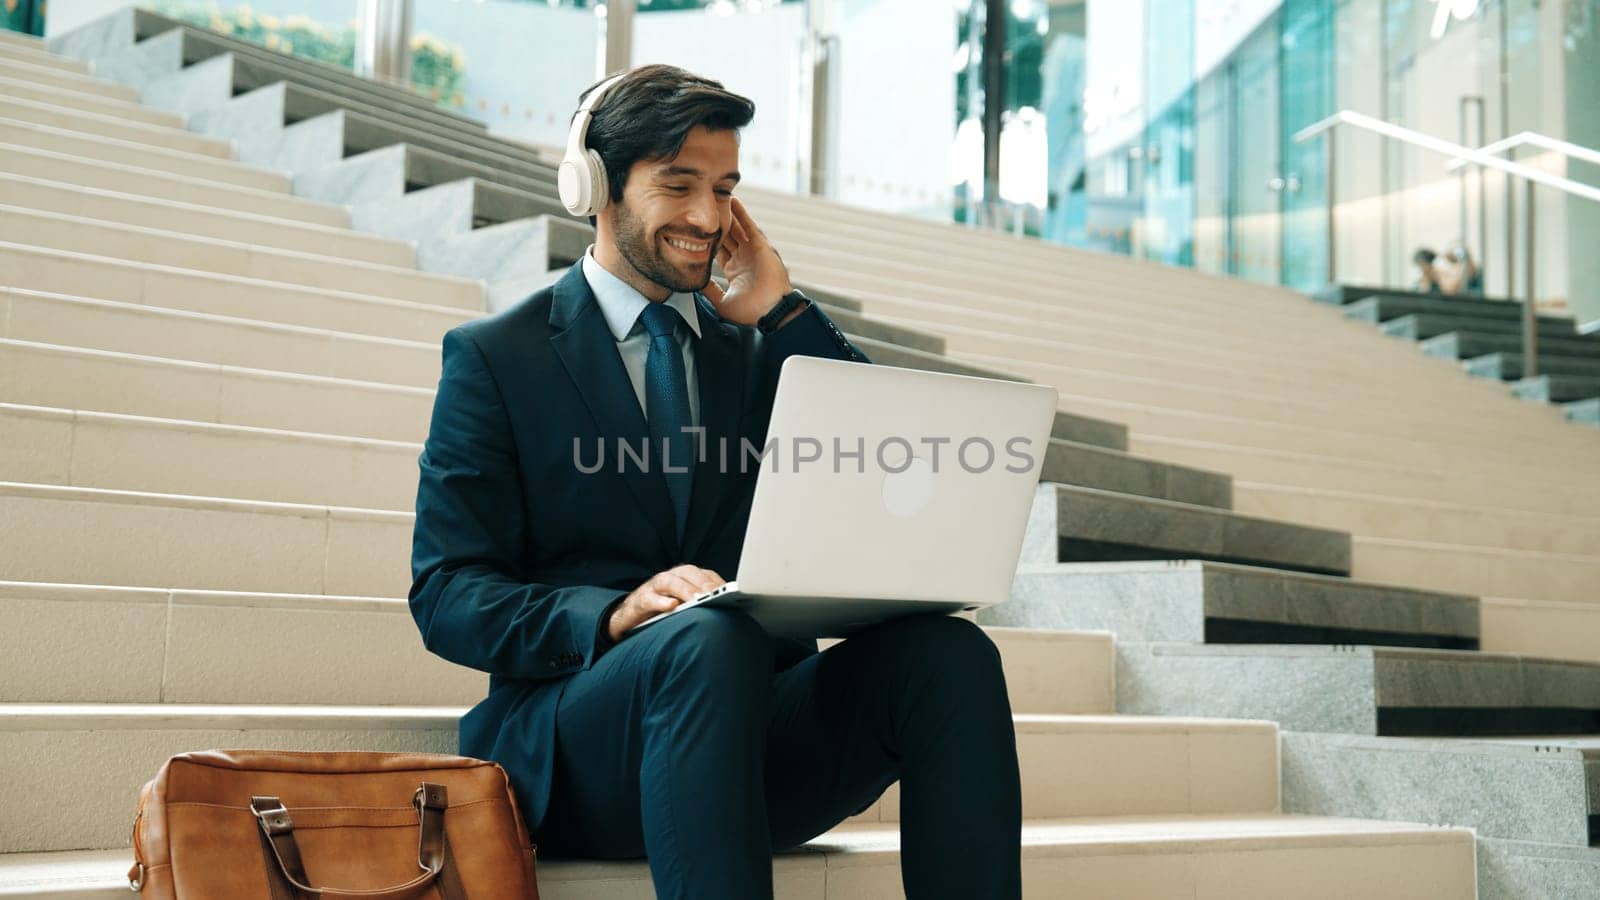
{"type": "Point", "coordinates": [53, 76]}
{"type": "Point", "coordinates": [1386, 307]}
{"type": "Point", "coordinates": [112, 126]}
{"type": "Point", "coordinates": [174, 217]}
{"type": "Point", "coordinates": [1072, 766]}
{"type": "Point", "coordinates": [1257, 857]}
{"type": "Point", "coordinates": [1544, 789]}
{"type": "Point", "coordinates": [90, 173]}
{"type": "Point", "coordinates": [20, 40]}
{"type": "Point", "coordinates": [226, 74]}
{"type": "Point", "coordinates": [1557, 388]}
{"type": "Point", "coordinates": [111, 644]}
{"type": "Point", "coordinates": [23, 88]}
{"type": "Point", "coordinates": [1586, 412]}
{"type": "Point", "coordinates": [1157, 418]}
{"type": "Point", "coordinates": [139, 539]}
{"type": "Point", "coordinates": [19, 133]}
{"type": "Point", "coordinates": [169, 43]}
{"type": "Point", "coordinates": [1423, 326]}
{"type": "Point", "coordinates": [39, 56]}
{"type": "Point", "coordinates": [103, 381]}
{"type": "Point", "coordinates": [1352, 689]}
{"type": "Point", "coordinates": [1375, 514]}
{"type": "Point", "coordinates": [149, 245]}
{"type": "Point", "coordinates": [163, 455]}
{"type": "Point", "coordinates": [1468, 344]}
{"type": "Point", "coordinates": [186, 336]}
{"type": "Point", "coordinates": [165, 287]}
{"type": "Point", "coordinates": [1509, 366]}
{"type": "Point", "coordinates": [1322, 472]}
{"type": "Point", "coordinates": [1512, 870]}
{"type": "Point", "coordinates": [1545, 628]}
{"type": "Point", "coordinates": [1495, 571]}
{"type": "Point", "coordinates": [1196, 601]}
{"type": "Point", "coordinates": [1078, 524]}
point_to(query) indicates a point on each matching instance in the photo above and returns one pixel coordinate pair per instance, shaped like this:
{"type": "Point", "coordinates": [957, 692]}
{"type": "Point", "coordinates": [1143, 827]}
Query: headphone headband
{"type": "Point", "coordinates": [581, 179]}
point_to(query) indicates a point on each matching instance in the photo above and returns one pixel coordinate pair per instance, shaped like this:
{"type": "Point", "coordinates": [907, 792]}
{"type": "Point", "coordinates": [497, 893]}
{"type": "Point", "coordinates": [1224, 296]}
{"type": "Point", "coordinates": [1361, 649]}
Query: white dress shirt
{"type": "Point", "coordinates": [622, 305]}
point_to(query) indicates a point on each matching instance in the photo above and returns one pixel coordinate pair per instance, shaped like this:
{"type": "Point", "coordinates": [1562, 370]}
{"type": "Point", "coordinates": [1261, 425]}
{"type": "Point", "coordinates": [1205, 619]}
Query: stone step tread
{"type": "Point", "coordinates": [203, 221]}
{"type": "Point", "coordinates": [166, 645]}
{"type": "Point", "coordinates": [173, 54]}
{"type": "Point", "coordinates": [1584, 520]}
{"type": "Point", "coordinates": [134, 272]}
{"type": "Point", "coordinates": [75, 98]}
{"type": "Point", "coordinates": [195, 242]}
{"type": "Point", "coordinates": [1246, 841]}
{"type": "Point", "coordinates": [1478, 343]}
{"type": "Point", "coordinates": [148, 24]}
{"type": "Point", "coordinates": [1544, 789]}
{"type": "Point", "coordinates": [1560, 388]}
{"type": "Point", "coordinates": [1386, 307]}
{"type": "Point", "coordinates": [211, 169]}
{"type": "Point", "coordinates": [1422, 326]}
{"type": "Point", "coordinates": [181, 717]}
{"type": "Point", "coordinates": [1105, 517]}
{"type": "Point", "coordinates": [41, 56]}
{"type": "Point", "coordinates": [14, 67]}
{"type": "Point", "coordinates": [1198, 601]}
{"type": "Point", "coordinates": [167, 186]}
{"type": "Point", "coordinates": [1362, 689]}
{"type": "Point", "coordinates": [305, 98]}
{"type": "Point", "coordinates": [144, 133]}
{"type": "Point", "coordinates": [1509, 366]}
{"type": "Point", "coordinates": [246, 446]}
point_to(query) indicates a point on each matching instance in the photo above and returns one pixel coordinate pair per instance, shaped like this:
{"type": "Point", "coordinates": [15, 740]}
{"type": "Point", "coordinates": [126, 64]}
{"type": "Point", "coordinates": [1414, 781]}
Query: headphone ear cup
{"type": "Point", "coordinates": [571, 182]}
{"type": "Point", "coordinates": [600, 183]}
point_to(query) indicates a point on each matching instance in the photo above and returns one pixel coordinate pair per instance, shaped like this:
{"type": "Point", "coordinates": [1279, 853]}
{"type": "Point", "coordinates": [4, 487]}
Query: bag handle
{"type": "Point", "coordinates": [433, 851]}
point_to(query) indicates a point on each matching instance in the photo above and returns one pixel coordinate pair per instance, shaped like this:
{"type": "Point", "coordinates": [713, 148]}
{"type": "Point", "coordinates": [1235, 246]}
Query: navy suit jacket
{"type": "Point", "coordinates": [516, 553]}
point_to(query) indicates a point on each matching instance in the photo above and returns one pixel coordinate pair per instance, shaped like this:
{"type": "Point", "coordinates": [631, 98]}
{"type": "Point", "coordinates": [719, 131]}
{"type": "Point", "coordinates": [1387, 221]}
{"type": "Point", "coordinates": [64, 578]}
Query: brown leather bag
{"type": "Point", "coordinates": [283, 825]}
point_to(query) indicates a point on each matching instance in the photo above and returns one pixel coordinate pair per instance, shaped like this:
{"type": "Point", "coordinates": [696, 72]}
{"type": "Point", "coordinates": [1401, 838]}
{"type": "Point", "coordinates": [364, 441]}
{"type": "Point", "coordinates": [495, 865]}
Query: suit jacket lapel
{"type": "Point", "coordinates": [721, 390]}
{"type": "Point", "coordinates": [589, 352]}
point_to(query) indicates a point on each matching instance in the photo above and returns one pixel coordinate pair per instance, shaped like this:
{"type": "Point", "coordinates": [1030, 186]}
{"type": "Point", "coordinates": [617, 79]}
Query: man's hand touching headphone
{"type": "Point", "coordinates": [757, 277]}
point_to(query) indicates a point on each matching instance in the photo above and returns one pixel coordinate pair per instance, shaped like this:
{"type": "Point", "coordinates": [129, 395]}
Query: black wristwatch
{"type": "Point", "coordinates": [785, 305]}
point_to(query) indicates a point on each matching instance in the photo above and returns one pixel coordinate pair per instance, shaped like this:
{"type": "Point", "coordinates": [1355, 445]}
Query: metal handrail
{"type": "Point", "coordinates": [1532, 139]}
{"type": "Point", "coordinates": [1484, 157]}
{"type": "Point", "coordinates": [1427, 142]}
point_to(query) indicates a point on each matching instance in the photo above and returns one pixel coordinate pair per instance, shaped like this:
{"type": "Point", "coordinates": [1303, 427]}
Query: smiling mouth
{"type": "Point", "coordinates": [693, 248]}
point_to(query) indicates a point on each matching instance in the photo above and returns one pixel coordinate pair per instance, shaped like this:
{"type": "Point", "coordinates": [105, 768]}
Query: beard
{"type": "Point", "coordinates": [644, 255]}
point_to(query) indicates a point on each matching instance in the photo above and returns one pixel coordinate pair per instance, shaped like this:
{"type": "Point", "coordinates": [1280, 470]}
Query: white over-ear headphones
{"type": "Point", "coordinates": [581, 180]}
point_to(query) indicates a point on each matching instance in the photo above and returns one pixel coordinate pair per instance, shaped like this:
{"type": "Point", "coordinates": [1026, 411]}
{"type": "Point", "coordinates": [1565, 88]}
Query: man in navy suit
{"type": "Point", "coordinates": [700, 741]}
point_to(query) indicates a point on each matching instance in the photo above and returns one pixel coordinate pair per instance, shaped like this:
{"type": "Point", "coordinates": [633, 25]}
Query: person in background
{"type": "Point", "coordinates": [1429, 279]}
{"type": "Point", "coordinates": [1461, 275]}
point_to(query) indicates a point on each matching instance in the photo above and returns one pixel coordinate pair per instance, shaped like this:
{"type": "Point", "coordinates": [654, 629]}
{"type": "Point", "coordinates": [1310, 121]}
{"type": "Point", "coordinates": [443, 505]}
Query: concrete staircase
{"type": "Point", "coordinates": [1486, 335]}
{"type": "Point", "coordinates": [215, 375]}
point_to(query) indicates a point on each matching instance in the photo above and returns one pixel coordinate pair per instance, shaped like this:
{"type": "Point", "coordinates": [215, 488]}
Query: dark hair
{"type": "Point", "coordinates": [1424, 256]}
{"type": "Point", "coordinates": [649, 113]}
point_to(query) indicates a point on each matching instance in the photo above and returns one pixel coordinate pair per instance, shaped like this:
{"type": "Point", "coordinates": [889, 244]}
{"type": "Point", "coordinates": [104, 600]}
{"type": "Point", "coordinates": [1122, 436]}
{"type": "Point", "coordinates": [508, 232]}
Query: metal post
{"type": "Point", "coordinates": [1333, 237]}
{"type": "Point", "coordinates": [1505, 131]}
{"type": "Point", "coordinates": [824, 153]}
{"type": "Point", "coordinates": [618, 24]}
{"type": "Point", "coordinates": [383, 48]}
{"type": "Point", "coordinates": [994, 103]}
{"type": "Point", "coordinates": [1461, 175]}
{"type": "Point", "coordinates": [1530, 313]}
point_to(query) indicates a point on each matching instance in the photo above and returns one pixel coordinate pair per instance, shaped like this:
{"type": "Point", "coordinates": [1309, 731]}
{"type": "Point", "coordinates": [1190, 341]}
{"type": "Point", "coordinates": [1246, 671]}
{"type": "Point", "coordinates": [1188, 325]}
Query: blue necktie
{"type": "Point", "coordinates": [666, 394]}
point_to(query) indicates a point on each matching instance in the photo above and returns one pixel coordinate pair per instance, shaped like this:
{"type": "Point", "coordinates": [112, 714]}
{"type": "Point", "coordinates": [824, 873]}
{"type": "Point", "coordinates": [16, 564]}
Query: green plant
{"type": "Point", "coordinates": [297, 35]}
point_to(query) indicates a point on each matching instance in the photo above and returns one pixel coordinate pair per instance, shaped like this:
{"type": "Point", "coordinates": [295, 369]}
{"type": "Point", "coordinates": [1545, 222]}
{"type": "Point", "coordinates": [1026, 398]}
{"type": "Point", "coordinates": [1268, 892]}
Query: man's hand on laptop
{"type": "Point", "coordinates": [662, 593]}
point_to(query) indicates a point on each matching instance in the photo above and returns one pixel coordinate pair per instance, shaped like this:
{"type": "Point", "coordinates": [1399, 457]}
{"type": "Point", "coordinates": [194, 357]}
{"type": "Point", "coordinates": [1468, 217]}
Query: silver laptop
{"type": "Point", "coordinates": [883, 492]}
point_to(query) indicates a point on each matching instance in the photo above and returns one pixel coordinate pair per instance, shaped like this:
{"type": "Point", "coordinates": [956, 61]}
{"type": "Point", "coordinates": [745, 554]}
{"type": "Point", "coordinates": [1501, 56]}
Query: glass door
{"type": "Point", "coordinates": [1306, 94]}
{"type": "Point", "coordinates": [1257, 179]}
